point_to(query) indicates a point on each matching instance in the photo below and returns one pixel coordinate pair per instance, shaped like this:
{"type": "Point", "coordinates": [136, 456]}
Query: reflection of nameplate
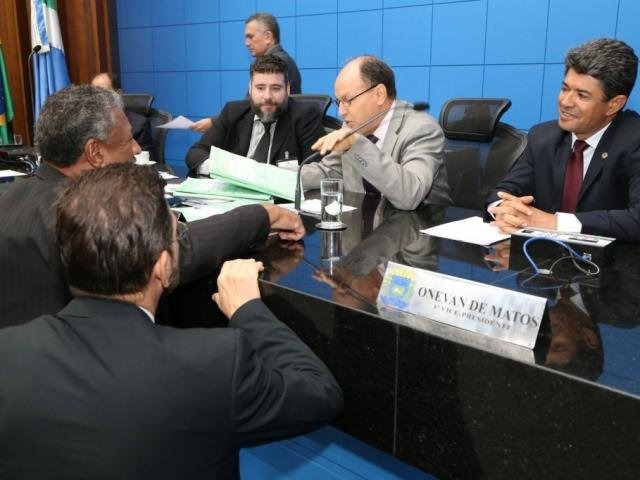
{"type": "Point", "coordinates": [497, 312]}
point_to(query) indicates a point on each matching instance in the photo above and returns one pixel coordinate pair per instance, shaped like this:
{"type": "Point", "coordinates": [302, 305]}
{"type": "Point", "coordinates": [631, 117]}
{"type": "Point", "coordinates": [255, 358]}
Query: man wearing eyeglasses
{"type": "Point", "coordinates": [84, 128]}
{"type": "Point", "coordinates": [268, 126]}
{"type": "Point", "coordinates": [398, 155]}
{"type": "Point", "coordinates": [99, 391]}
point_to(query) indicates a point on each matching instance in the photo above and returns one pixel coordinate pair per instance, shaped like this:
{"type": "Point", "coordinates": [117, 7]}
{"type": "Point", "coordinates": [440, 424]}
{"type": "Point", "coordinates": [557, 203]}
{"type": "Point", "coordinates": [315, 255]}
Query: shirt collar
{"type": "Point", "coordinates": [382, 129]}
{"type": "Point", "coordinates": [594, 139]}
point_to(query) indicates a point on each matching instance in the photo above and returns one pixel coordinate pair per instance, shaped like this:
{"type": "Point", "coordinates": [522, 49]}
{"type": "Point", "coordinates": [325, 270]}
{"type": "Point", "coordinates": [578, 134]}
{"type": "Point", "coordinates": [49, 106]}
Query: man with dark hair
{"type": "Point", "coordinates": [82, 128]}
{"type": "Point", "coordinates": [268, 126]}
{"type": "Point", "coordinates": [399, 155]}
{"type": "Point", "coordinates": [140, 125]}
{"type": "Point", "coordinates": [112, 395]}
{"type": "Point", "coordinates": [582, 172]}
{"type": "Point", "coordinates": [262, 37]}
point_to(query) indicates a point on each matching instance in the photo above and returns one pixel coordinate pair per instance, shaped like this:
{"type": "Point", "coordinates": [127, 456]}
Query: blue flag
{"type": "Point", "coordinates": [50, 66]}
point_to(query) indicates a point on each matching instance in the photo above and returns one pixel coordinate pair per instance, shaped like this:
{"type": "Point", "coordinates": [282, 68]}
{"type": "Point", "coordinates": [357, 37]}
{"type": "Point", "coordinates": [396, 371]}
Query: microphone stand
{"type": "Point", "coordinates": [419, 106]}
{"type": "Point", "coordinates": [33, 51]}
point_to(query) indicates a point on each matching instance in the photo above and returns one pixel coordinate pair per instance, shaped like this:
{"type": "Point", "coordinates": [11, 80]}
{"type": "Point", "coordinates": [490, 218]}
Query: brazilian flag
{"type": "Point", "coordinates": [6, 104]}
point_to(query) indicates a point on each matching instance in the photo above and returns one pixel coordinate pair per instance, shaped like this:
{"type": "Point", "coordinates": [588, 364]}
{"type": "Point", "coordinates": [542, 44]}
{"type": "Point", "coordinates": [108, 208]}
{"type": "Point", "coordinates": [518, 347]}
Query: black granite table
{"type": "Point", "coordinates": [455, 404]}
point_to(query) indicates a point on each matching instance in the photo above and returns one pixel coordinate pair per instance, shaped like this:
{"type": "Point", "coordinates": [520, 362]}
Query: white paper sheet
{"type": "Point", "coordinates": [470, 230]}
{"type": "Point", "coordinates": [180, 122]}
{"type": "Point", "coordinates": [10, 173]}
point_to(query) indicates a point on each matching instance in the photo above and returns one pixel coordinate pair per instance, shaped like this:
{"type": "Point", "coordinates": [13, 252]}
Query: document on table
{"type": "Point", "coordinates": [180, 122]}
{"type": "Point", "coordinates": [470, 230]}
{"type": "Point", "coordinates": [248, 173]}
{"type": "Point", "coordinates": [10, 173]}
{"type": "Point", "coordinates": [216, 188]}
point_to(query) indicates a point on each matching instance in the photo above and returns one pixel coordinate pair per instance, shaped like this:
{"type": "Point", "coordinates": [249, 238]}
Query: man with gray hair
{"type": "Point", "coordinates": [262, 37]}
{"type": "Point", "coordinates": [82, 128]}
{"type": "Point", "coordinates": [582, 172]}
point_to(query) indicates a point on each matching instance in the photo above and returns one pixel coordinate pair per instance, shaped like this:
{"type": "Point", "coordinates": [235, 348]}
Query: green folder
{"type": "Point", "coordinates": [249, 174]}
{"type": "Point", "coordinates": [216, 188]}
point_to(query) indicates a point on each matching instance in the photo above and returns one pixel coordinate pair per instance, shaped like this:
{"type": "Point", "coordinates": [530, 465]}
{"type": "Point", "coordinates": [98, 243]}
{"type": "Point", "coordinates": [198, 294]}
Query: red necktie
{"type": "Point", "coordinates": [573, 178]}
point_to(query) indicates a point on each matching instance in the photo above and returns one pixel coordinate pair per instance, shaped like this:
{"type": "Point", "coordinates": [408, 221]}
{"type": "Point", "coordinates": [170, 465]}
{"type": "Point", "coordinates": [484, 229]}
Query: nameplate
{"type": "Point", "coordinates": [488, 310]}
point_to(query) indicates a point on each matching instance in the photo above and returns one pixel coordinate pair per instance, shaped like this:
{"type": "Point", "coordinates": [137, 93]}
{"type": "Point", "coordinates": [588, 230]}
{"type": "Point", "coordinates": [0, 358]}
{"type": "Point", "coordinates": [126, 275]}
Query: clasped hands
{"type": "Point", "coordinates": [518, 212]}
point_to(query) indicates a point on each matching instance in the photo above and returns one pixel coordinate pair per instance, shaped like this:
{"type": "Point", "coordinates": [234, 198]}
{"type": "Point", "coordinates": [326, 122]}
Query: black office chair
{"type": "Point", "coordinates": [138, 102]}
{"type": "Point", "coordinates": [159, 135]}
{"type": "Point", "coordinates": [479, 149]}
{"type": "Point", "coordinates": [322, 102]}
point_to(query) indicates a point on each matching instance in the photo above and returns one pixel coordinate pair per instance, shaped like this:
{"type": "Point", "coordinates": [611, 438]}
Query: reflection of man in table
{"type": "Point", "coordinates": [268, 126]}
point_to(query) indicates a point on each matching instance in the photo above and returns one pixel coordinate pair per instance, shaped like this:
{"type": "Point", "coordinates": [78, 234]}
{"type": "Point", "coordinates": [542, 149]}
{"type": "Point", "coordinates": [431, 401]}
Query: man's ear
{"type": "Point", "coordinates": [616, 104]}
{"type": "Point", "coordinates": [93, 153]}
{"type": "Point", "coordinates": [381, 94]}
{"type": "Point", "coordinates": [162, 269]}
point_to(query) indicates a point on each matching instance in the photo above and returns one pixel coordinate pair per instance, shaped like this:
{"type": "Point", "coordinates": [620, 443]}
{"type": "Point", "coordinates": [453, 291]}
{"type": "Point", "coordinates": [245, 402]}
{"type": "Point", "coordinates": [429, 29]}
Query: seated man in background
{"type": "Point", "coordinates": [112, 395]}
{"type": "Point", "coordinates": [140, 125]}
{"type": "Point", "coordinates": [399, 155]}
{"type": "Point", "coordinates": [268, 126]}
{"type": "Point", "coordinates": [582, 172]}
{"type": "Point", "coordinates": [82, 128]}
{"type": "Point", "coordinates": [262, 37]}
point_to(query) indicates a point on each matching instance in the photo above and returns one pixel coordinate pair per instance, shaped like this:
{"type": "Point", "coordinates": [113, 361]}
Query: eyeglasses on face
{"type": "Point", "coordinates": [181, 231]}
{"type": "Point", "coordinates": [347, 101]}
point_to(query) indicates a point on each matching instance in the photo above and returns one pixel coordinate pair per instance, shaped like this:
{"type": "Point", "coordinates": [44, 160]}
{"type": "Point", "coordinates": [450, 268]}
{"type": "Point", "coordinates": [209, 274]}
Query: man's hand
{"type": "Point", "coordinates": [498, 257]}
{"type": "Point", "coordinates": [288, 223]}
{"type": "Point", "coordinates": [517, 212]}
{"type": "Point", "coordinates": [237, 284]}
{"type": "Point", "coordinates": [336, 141]}
{"type": "Point", "coordinates": [202, 125]}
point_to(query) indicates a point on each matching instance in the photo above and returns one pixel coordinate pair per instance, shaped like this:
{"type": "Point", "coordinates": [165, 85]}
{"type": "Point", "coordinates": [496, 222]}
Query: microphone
{"type": "Point", "coordinates": [33, 51]}
{"type": "Point", "coordinates": [418, 106]}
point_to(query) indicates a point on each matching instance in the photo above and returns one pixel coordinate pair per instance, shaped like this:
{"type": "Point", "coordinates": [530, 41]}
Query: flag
{"type": "Point", "coordinates": [50, 66]}
{"type": "Point", "coordinates": [6, 104]}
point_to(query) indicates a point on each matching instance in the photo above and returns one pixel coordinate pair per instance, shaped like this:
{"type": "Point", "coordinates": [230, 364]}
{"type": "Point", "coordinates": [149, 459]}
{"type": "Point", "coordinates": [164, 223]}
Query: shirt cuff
{"type": "Point", "coordinates": [491, 205]}
{"type": "Point", "coordinates": [568, 222]}
{"type": "Point", "coordinates": [205, 167]}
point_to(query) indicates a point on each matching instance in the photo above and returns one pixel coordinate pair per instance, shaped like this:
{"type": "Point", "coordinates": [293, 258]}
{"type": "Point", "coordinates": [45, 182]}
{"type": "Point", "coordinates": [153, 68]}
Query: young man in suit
{"type": "Point", "coordinates": [110, 394]}
{"type": "Point", "coordinates": [82, 128]}
{"type": "Point", "coordinates": [399, 155]}
{"type": "Point", "coordinates": [140, 126]}
{"type": "Point", "coordinates": [262, 37]}
{"type": "Point", "coordinates": [268, 126]}
{"type": "Point", "coordinates": [581, 173]}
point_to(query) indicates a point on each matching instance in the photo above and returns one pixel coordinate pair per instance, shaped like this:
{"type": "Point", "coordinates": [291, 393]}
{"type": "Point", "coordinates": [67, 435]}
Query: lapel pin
{"type": "Point", "coordinates": [604, 155]}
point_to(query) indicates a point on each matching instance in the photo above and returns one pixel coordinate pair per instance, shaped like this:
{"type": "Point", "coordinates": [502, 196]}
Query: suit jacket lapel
{"type": "Point", "coordinates": [559, 166]}
{"type": "Point", "coordinates": [245, 127]}
{"type": "Point", "coordinates": [599, 158]}
{"type": "Point", "coordinates": [397, 119]}
{"type": "Point", "coordinates": [283, 126]}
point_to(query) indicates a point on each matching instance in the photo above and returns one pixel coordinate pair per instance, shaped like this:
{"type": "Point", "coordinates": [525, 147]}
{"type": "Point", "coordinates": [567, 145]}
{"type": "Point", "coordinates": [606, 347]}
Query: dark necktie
{"type": "Point", "coordinates": [262, 150]}
{"type": "Point", "coordinates": [573, 178]}
{"type": "Point", "coordinates": [368, 188]}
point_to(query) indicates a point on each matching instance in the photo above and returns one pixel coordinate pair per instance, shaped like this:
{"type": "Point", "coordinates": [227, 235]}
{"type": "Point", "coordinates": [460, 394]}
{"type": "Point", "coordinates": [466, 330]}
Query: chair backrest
{"type": "Point", "coordinates": [159, 135]}
{"type": "Point", "coordinates": [138, 102]}
{"type": "Point", "coordinates": [479, 150]}
{"type": "Point", "coordinates": [321, 101]}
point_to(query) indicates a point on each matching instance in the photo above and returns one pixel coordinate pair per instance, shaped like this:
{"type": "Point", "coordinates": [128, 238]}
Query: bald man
{"type": "Point", "coordinates": [398, 156]}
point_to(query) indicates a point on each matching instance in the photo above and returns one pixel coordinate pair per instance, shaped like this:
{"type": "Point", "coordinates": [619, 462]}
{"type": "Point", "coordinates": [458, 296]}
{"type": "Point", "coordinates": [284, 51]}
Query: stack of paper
{"type": "Point", "coordinates": [214, 188]}
{"type": "Point", "coordinates": [249, 174]}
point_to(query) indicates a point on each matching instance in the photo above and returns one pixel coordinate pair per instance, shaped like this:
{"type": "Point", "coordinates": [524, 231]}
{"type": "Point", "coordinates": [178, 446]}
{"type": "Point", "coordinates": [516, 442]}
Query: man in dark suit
{"type": "Point", "coordinates": [81, 128]}
{"type": "Point", "coordinates": [262, 37]}
{"type": "Point", "coordinates": [596, 188]}
{"type": "Point", "coordinates": [268, 118]}
{"type": "Point", "coordinates": [140, 125]}
{"type": "Point", "coordinates": [112, 395]}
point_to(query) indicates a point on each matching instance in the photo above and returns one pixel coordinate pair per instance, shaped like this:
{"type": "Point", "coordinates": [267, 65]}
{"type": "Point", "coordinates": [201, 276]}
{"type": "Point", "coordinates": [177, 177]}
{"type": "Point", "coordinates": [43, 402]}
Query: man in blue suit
{"type": "Point", "coordinates": [581, 173]}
